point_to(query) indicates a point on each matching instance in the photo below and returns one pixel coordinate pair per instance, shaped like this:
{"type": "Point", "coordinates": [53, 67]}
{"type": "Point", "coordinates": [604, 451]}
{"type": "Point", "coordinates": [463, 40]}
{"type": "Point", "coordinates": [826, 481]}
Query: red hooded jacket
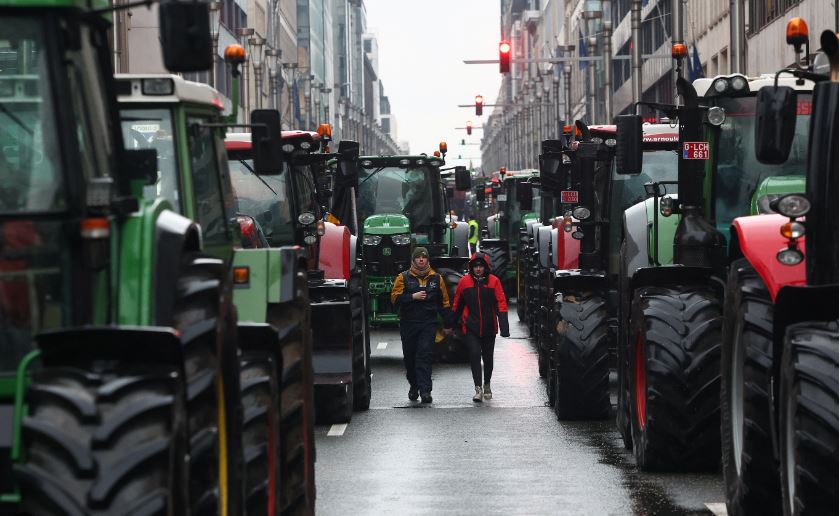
{"type": "Point", "coordinates": [479, 302]}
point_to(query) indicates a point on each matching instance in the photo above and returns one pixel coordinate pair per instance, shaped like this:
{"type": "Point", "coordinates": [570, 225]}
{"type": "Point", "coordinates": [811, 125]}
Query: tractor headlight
{"type": "Point", "coordinates": [793, 205]}
{"type": "Point", "coordinates": [401, 239]}
{"type": "Point", "coordinates": [716, 115]}
{"type": "Point", "coordinates": [372, 239]}
{"type": "Point", "coordinates": [720, 85]}
{"type": "Point", "coordinates": [738, 83]}
{"type": "Point", "coordinates": [306, 218]}
{"type": "Point", "coordinates": [581, 213]}
{"type": "Point", "coordinates": [788, 256]}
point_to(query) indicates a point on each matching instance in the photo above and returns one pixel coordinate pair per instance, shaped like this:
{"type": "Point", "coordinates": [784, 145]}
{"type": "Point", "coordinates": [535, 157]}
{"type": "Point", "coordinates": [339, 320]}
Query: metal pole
{"type": "Point", "coordinates": [591, 68]}
{"type": "Point", "coordinates": [677, 29]}
{"type": "Point", "coordinates": [557, 113]}
{"type": "Point", "coordinates": [606, 27]}
{"type": "Point", "coordinates": [737, 53]}
{"type": "Point", "coordinates": [567, 85]}
{"type": "Point", "coordinates": [636, 43]}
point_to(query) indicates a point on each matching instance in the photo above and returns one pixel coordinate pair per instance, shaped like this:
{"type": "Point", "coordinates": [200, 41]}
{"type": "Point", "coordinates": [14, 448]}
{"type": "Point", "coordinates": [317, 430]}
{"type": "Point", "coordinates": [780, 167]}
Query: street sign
{"type": "Point", "coordinates": [695, 150]}
{"type": "Point", "coordinates": [569, 196]}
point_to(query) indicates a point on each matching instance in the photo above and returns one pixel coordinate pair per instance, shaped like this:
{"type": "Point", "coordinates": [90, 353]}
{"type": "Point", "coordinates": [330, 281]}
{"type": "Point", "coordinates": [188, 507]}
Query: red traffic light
{"type": "Point", "coordinates": [504, 57]}
{"type": "Point", "coordinates": [469, 127]}
{"type": "Point", "coordinates": [479, 105]}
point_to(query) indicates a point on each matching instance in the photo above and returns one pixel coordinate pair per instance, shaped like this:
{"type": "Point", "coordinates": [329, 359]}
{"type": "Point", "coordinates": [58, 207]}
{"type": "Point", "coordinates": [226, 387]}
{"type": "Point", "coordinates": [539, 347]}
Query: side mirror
{"type": "Point", "coordinates": [524, 196]}
{"type": "Point", "coordinates": [775, 110]}
{"type": "Point", "coordinates": [348, 158]}
{"type": "Point", "coordinates": [140, 165]}
{"type": "Point", "coordinates": [185, 36]}
{"type": "Point", "coordinates": [628, 148]}
{"type": "Point", "coordinates": [462, 178]}
{"type": "Point", "coordinates": [266, 141]}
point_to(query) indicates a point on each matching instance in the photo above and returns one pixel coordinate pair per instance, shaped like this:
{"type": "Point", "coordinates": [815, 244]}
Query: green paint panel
{"type": "Point", "coordinates": [777, 185]}
{"type": "Point", "coordinates": [667, 231]}
{"type": "Point", "coordinates": [275, 274]}
{"type": "Point", "coordinates": [251, 299]}
{"type": "Point", "coordinates": [386, 224]}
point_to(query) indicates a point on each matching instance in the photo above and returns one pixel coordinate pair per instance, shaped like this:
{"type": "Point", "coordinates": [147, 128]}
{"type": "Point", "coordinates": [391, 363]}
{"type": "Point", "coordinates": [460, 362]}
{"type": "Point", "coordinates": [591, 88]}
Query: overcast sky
{"type": "Point", "coordinates": [422, 45]}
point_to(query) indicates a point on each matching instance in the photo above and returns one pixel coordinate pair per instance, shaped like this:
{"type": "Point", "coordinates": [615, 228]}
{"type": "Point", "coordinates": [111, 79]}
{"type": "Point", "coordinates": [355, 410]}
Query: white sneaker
{"type": "Point", "coordinates": [488, 394]}
{"type": "Point", "coordinates": [477, 397]}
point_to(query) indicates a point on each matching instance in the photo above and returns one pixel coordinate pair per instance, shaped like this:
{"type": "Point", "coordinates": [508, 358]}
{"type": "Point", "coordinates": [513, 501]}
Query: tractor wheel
{"type": "Point", "coordinates": [498, 255]}
{"type": "Point", "coordinates": [260, 432]}
{"type": "Point", "coordinates": [205, 317]}
{"type": "Point", "coordinates": [361, 345]}
{"type": "Point", "coordinates": [109, 441]}
{"type": "Point", "coordinates": [297, 409]}
{"type": "Point", "coordinates": [582, 363]}
{"type": "Point", "coordinates": [521, 286]}
{"type": "Point", "coordinates": [675, 383]}
{"type": "Point", "coordinates": [808, 419]}
{"type": "Point", "coordinates": [749, 469]}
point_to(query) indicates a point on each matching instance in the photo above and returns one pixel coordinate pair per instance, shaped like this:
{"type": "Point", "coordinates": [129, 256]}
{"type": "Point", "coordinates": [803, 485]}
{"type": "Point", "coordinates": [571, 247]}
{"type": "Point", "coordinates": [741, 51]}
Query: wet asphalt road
{"type": "Point", "coordinates": [505, 456]}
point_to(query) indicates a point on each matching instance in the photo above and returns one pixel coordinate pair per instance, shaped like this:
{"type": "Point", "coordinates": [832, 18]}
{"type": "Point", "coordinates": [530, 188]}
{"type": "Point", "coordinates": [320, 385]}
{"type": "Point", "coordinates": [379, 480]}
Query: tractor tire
{"type": "Point", "coordinates": [297, 406]}
{"type": "Point", "coordinates": [622, 413]}
{"type": "Point", "coordinates": [808, 419]}
{"type": "Point", "coordinates": [361, 344]}
{"type": "Point", "coordinates": [675, 383]}
{"type": "Point", "coordinates": [521, 279]}
{"type": "Point", "coordinates": [542, 362]}
{"type": "Point", "coordinates": [582, 358]}
{"type": "Point", "coordinates": [259, 383]}
{"type": "Point", "coordinates": [750, 472]}
{"type": "Point", "coordinates": [106, 442]}
{"type": "Point", "coordinates": [499, 259]}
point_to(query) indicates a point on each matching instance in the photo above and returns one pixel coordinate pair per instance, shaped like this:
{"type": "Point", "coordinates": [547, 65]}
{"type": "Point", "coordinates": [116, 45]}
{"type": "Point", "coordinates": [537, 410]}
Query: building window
{"type": "Point", "coordinates": [763, 12]}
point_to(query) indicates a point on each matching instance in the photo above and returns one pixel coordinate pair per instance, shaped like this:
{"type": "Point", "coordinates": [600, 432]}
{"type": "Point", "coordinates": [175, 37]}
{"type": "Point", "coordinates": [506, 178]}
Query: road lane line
{"type": "Point", "coordinates": [382, 345]}
{"type": "Point", "coordinates": [717, 508]}
{"type": "Point", "coordinates": [337, 430]}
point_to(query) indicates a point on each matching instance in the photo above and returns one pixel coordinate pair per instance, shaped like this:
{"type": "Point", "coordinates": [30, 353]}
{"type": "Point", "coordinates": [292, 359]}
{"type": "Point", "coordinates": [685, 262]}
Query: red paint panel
{"type": "Point", "coordinates": [760, 240]}
{"type": "Point", "coordinates": [334, 255]}
{"type": "Point", "coordinates": [568, 250]}
{"type": "Point", "coordinates": [233, 145]}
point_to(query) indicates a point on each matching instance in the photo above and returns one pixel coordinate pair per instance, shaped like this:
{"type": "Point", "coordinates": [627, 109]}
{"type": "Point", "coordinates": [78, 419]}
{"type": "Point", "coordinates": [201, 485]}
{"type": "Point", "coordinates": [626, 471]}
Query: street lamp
{"type": "Point", "coordinates": [215, 8]}
{"type": "Point", "coordinates": [257, 43]}
{"type": "Point", "coordinates": [272, 56]}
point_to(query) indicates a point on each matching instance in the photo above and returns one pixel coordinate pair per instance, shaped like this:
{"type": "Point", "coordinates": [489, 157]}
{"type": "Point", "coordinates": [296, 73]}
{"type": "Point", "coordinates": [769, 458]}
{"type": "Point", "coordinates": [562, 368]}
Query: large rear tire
{"type": "Point", "coordinates": [498, 254]}
{"type": "Point", "coordinates": [675, 385]}
{"type": "Point", "coordinates": [261, 432]}
{"type": "Point", "coordinates": [297, 416]}
{"type": "Point", "coordinates": [105, 442]}
{"type": "Point", "coordinates": [623, 346]}
{"type": "Point", "coordinates": [808, 419]}
{"type": "Point", "coordinates": [749, 468]}
{"type": "Point", "coordinates": [582, 358]}
{"type": "Point", "coordinates": [361, 345]}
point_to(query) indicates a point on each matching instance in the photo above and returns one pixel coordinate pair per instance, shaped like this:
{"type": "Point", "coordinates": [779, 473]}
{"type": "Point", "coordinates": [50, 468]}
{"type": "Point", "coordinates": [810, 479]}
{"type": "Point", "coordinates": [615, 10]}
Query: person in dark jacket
{"type": "Point", "coordinates": [479, 303]}
{"type": "Point", "coordinates": [421, 295]}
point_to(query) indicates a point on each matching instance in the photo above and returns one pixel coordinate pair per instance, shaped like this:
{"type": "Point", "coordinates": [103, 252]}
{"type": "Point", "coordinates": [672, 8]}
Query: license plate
{"type": "Point", "coordinates": [386, 251]}
{"type": "Point", "coordinates": [569, 196]}
{"type": "Point", "coordinates": [695, 150]}
{"type": "Point", "coordinates": [501, 197]}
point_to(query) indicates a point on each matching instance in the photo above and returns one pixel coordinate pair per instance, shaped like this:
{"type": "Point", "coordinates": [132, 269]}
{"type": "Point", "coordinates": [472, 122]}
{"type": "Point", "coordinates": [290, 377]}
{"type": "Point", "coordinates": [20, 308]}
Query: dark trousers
{"type": "Point", "coordinates": [418, 341]}
{"type": "Point", "coordinates": [481, 348]}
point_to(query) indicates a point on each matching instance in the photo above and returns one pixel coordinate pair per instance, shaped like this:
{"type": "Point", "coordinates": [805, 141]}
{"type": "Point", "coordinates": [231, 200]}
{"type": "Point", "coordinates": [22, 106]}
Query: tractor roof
{"type": "Point", "coordinates": [165, 88]}
{"type": "Point", "coordinates": [704, 86]}
{"type": "Point", "coordinates": [242, 141]}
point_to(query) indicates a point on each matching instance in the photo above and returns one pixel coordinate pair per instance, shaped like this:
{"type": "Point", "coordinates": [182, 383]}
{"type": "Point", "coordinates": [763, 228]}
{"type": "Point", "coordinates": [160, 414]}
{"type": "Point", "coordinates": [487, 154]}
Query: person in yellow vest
{"type": "Point", "coordinates": [421, 295]}
{"type": "Point", "coordinates": [473, 239]}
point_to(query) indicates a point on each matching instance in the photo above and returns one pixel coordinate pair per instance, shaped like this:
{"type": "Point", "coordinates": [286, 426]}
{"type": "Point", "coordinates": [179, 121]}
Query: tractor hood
{"type": "Point", "coordinates": [386, 224]}
{"type": "Point", "coordinates": [772, 188]}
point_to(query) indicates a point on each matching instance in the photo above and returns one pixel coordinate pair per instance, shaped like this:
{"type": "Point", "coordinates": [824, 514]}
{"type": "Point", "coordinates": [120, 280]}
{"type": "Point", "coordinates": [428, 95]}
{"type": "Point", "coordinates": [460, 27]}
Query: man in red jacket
{"type": "Point", "coordinates": [479, 303]}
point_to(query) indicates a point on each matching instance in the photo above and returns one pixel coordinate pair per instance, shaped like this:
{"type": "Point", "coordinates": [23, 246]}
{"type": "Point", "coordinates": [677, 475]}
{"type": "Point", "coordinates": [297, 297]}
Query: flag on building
{"type": "Point", "coordinates": [695, 69]}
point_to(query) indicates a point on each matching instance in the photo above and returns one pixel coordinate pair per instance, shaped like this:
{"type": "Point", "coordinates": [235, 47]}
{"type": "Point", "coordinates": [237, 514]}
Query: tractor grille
{"type": "Point", "coordinates": [387, 258]}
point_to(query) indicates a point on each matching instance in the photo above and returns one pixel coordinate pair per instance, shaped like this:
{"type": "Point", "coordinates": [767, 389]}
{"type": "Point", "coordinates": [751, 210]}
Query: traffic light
{"type": "Point", "coordinates": [463, 141]}
{"type": "Point", "coordinates": [479, 105]}
{"type": "Point", "coordinates": [504, 57]}
{"type": "Point", "coordinates": [469, 127]}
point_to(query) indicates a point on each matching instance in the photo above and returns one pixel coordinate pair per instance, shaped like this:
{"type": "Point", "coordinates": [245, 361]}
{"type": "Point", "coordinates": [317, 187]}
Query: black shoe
{"type": "Point", "coordinates": [425, 397]}
{"type": "Point", "coordinates": [413, 394]}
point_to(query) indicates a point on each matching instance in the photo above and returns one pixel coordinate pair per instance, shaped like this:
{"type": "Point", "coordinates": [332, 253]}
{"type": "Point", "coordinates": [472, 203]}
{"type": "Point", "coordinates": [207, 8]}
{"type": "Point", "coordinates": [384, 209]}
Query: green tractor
{"type": "Point", "coordinates": [183, 122]}
{"type": "Point", "coordinates": [120, 375]}
{"type": "Point", "coordinates": [402, 202]}
{"type": "Point", "coordinates": [673, 265]}
{"type": "Point", "coordinates": [779, 363]}
{"type": "Point", "coordinates": [518, 202]}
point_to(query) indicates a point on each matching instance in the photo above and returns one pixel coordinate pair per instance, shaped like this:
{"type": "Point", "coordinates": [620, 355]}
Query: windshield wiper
{"type": "Point", "coordinates": [251, 170]}
{"type": "Point", "coordinates": [17, 120]}
{"type": "Point", "coordinates": [378, 170]}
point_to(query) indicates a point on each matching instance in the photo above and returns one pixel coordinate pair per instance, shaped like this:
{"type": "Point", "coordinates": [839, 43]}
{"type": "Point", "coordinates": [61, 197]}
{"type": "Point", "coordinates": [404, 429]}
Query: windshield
{"type": "Point", "coordinates": [738, 172]}
{"type": "Point", "coordinates": [266, 199]}
{"type": "Point", "coordinates": [30, 178]}
{"type": "Point", "coordinates": [396, 190]}
{"type": "Point", "coordinates": [152, 129]}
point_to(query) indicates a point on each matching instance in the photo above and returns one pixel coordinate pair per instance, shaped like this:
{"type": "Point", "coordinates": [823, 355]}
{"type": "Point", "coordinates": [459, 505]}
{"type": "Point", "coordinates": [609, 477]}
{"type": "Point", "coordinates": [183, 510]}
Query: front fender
{"type": "Point", "coordinates": [671, 275]}
{"type": "Point", "coordinates": [334, 256]}
{"type": "Point", "coordinates": [569, 281]}
{"type": "Point", "coordinates": [174, 234]}
{"type": "Point", "coordinates": [758, 240]}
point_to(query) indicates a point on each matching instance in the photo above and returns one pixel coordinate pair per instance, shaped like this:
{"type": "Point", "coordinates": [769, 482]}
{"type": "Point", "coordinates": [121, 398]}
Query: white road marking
{"type": "Point", "coordinates": [382, 345]}
{"type": "Point", "coordinates": [337, 430]}
{"type": "Point", "coordinates": [717, 508]}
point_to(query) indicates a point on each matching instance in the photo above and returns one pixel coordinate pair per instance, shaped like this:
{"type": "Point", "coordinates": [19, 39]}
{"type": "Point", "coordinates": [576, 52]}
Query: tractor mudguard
{"type": "Point", "coordinates": [575, 280]}
{"type": "Point", "coordinates": [332, 337]}
{"type": "Point", "coordinates": [670, 275]}
{"type": "Point", "coordinates": [568, 251]}
{"type": "Point", "coordinates": [796, 304]}
{"type": "Point", "coordinates": [174, 234]}
{"type": "Point", "coordinates": [638, 236]}
{"type": "Point", "coordinates": [271, 279]}
{"type": "Point", "coordinates": [758, 240]}
{"type": "Point", "coordinates": [334, 256]}
{"type": "Point", "coordinates": [456, 263]}
{"type": "Point", "coordinates": [262, 337]}
{"type": "Point", "coordinates": [544, 239]}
